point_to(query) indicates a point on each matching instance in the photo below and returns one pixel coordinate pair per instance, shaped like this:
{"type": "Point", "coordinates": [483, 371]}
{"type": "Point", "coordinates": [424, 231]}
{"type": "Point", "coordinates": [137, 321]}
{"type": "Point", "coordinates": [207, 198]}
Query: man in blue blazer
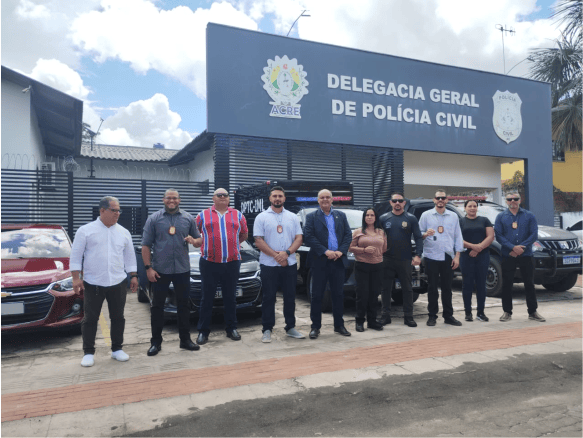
{"type": "Point", "coordinates": [328, 235]}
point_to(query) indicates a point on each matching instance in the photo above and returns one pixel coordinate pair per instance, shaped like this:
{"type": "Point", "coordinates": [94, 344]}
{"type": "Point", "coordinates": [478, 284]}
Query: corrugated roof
{"type": "Point", "coordinates": [126, 153]}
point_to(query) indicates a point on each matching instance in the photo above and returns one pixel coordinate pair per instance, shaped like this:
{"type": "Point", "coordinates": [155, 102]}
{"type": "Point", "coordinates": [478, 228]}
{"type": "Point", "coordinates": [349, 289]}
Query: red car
{"type": "Point", "coordinates": [37, 287]}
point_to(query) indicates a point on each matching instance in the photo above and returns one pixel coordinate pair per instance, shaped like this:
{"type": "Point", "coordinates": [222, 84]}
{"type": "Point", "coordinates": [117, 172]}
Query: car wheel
{"type": "Point", "coordinates": [326, 299]}
{"type": "Point", "coordinates": [564, 284]}
{"type": "Point", "coordinates": [494, 278]}
{"type": "Point", "coordinates": [142, 296]}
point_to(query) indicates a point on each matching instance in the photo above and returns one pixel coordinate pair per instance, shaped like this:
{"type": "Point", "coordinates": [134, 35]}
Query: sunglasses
{"type": "Point", "coordinates": [222, 195]}
{"type": "Point", "coordinates": [512, 199]}
{"type": "Point", "coordinates": [399, 201]}
{"type": "Point", "coordinates": [441, 198]}
{"type": "Point", "coordinates": [171, 198]}
{"type": "Point", "coordinates": [114, 210]}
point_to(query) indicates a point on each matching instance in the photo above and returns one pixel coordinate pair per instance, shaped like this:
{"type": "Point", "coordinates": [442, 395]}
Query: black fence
{"type": "Point", "coordinates": [54, 197]}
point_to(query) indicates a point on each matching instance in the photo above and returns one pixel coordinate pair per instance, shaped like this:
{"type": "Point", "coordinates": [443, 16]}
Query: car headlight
{"type": "Point", "coordinates": [251, 266]}
{"type": "Point", "coordinates": [537, 246]}
{"type": "Point", "coordinates": [63, 285]}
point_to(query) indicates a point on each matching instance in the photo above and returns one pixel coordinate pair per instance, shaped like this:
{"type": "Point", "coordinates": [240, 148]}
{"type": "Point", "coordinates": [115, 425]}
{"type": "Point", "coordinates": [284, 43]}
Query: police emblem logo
{"type": "Point", "coordinates": [514, 225]}
{"type": "Point", "coordinates": [404, 224]}
{"type": "Point", "coordinates": [506, 118]}
{"type": "Point", "coordinates": [440, 229]}
{"type": "Point", "coordinates": [285, 82]}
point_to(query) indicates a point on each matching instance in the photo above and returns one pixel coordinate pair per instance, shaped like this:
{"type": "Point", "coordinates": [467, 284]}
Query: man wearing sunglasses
{"type": "Point", "coordinates": [442, 245]}
{"type": "Point", "coordinates": [101, 255]}
{"type": "Point", "coordinates": [223, 229]}
{"type": "Point", "coordinates": [399, 227]}
{"type": "Point", "coordinates": [516, 230]}
{"type": "Point", "coordinates": [169, 231]}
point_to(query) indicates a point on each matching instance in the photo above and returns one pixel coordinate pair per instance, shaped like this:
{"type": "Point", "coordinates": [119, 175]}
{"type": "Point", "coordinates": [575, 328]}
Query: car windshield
{"type": "Point", "coordinates": [490, 211]}
{"type": "Point", "coordinates": [28, 243]}
{"type": "Point", "coordinates": [354, 217]}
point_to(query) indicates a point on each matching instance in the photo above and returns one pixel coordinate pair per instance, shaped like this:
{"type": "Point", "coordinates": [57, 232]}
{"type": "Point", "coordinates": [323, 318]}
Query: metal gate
{"type": "Point", "coordinates": [55, 197]}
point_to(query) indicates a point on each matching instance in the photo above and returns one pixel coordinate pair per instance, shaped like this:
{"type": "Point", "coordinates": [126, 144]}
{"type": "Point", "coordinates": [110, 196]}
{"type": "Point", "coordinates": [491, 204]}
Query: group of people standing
{"type": "Point", "coordinates": [102, 253]}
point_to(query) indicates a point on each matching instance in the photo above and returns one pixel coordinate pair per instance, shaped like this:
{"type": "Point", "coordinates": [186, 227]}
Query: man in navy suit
{"type": "Point", "coordinates": [328, 235]}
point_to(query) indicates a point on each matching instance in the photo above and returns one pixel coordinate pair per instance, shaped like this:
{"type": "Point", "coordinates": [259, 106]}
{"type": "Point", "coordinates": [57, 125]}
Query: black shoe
{"type": "Point", "coordinates": [451, 321]}
{"type": "Point", "coordinates": [202, 339]}
{"type": "Point", "coordinates": [234, 335]}
{"type": "Point", "coordinates": [314, 333]}
{"type": "Point", "coordinates": [431, 321]}
{"type": "Point", "coordinates": [410, 321]}
{"type": "Point", "coordinates": [374, 326]}
{"type": "Point", "coordinates": [384, 320]}
{"type": "Point", "coordinates": [469, 316]}
{"type": "Point", "coordinates": [154, 350]}
{"type": "Point", "coordinates": [189, 345]}
{"type": "Point", "coordinates": [342, 331]}
{"type": "Point", "coordinates": [481, 317]}
{"type": "Point", "coordinates": [359, 327]}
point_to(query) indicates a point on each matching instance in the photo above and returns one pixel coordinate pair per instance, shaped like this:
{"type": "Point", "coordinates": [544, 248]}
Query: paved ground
{"type": "Point", "coordinates": [45, 392]}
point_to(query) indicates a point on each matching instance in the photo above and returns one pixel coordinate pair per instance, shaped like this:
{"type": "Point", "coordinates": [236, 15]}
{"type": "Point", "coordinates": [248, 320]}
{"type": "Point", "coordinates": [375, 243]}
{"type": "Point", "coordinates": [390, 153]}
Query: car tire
{"type": "Point", "coordinates": [564, 284]}
{"type": "Point", "coordinates": [142, 296]}
{"type": "Point", "coordinates": [326, 299]}
{"type": "Point", "coordinates": [494, 278]}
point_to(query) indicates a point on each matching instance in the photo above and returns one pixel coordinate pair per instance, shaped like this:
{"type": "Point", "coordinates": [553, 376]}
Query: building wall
{"type": "Point", "coordinates": [132, 170]}
{"type": "Point", "coordinates": [567, 175]}
{"type": "Point", "coordinates": [202, 168]}
{"type": "Point", "coordinates": [427, 171]}
{"type": "Point", "coordinates": [21, 141]}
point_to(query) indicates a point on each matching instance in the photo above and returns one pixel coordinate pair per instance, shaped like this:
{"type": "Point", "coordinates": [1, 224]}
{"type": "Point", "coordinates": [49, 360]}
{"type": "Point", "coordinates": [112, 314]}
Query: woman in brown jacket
{"type": "Point", "coordinates": [368, 245]}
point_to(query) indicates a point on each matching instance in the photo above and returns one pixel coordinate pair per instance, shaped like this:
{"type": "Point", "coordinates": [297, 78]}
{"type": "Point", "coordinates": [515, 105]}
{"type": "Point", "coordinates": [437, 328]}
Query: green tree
{"type": "Point", "coordinates": [561, 66]}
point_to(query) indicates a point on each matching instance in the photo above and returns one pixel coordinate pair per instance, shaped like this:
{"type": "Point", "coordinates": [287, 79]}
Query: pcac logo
{"type": "Point", "coordinates": [285, 82]}
{"type": "Point", "coordinates": [506, 118]}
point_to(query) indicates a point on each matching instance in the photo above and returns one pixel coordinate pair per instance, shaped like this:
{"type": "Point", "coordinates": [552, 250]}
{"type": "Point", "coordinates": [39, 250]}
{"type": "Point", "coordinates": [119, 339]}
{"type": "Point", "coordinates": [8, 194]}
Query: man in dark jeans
{"type": "Point", "coordinates": [400, 226]}
{"type": "Point", "coordinates": [169, 231]}
{"type": "Point", "coordinates": [516, 230]}
{"type": "Point", "coordinates": [442, 245]}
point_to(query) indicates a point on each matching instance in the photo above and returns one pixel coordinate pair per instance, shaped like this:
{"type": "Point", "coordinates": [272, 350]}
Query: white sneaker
{"type": "Point", "coordinates": [266, 338]}
{"type": "Point", "coordinates": [293, 333]}
{"type": "Point", "coordinates": [88, 361]}
{"type": "Point", "coordinates": [119, 355]}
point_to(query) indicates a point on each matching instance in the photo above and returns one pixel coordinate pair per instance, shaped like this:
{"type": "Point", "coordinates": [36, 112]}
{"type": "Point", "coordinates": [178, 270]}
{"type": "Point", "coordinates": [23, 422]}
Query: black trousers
{"type": "Point", "coordinates": [439, 272]}
{"type": "Point", "coordinates": [93, 297]}
{"type": "Point", "coordinates": [369, 280]}
{"type": "Point", "coordinates": [526, 266]}
{"type": "Point", "coordinates": [394, 267]}
{"type": "Point", "coordinates": [181, 283]}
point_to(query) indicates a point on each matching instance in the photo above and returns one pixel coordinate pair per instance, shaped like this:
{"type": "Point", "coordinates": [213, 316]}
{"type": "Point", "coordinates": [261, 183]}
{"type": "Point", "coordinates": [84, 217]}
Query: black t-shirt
{"type": "Point", "coordinates": [474, 230]}
{"type": "Point", "coordinates": [399, 230]}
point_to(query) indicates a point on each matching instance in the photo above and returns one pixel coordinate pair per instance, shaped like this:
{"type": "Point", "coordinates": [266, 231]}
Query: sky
{"type": "Point", "coordinates": [139, 65]}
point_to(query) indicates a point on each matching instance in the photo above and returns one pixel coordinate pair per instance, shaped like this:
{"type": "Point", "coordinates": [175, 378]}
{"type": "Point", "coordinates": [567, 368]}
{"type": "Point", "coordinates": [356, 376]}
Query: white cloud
{"type": "Point", "coordinates": [144, 123]}
{"type": "Point", "coordinates": [55, 74]}
{"type": "Point", "coordinates": [171, 42]}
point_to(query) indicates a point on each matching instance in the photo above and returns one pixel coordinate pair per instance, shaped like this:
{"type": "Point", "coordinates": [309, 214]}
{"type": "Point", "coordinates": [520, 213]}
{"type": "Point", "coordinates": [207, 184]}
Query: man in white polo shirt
{"type": "Point", "coordinates": [278, 235]}
{"type": "Point", "coordinates": [102, 253]}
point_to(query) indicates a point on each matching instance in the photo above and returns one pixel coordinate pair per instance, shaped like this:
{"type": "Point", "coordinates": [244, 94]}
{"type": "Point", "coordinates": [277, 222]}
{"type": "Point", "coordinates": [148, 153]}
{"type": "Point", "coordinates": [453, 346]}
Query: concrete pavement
{"type": "Point", "coordinates": [47, 393]}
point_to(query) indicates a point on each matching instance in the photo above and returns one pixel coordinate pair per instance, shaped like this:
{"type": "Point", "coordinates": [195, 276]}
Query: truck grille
{"type": "Point", "coordinates": [36, 307]}
{"type": "Point", "coordinates": [560, 245]}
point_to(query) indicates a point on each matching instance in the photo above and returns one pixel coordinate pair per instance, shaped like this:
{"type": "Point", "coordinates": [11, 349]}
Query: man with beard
{"type": "Point", "coordinates": [399, 226]}
{"type": "Point", "coordinates": [169, 231]}
{"type": "Point", "coordinates": [443, 243]}
{"type": "Point", "coordinates": [278, 235]}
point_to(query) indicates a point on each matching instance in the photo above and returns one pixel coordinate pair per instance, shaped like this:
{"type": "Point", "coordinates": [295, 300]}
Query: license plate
{"type": "Point", "coordinates": [397, 284]}
{"type": "Point", "coordinates": [12, 308]}
{"type": "Point", "coordinates": [414, 283]}
{"type": "Point", "coordinates": [238, 292]}
{"type": "Point", "coordinates": [572, 260]}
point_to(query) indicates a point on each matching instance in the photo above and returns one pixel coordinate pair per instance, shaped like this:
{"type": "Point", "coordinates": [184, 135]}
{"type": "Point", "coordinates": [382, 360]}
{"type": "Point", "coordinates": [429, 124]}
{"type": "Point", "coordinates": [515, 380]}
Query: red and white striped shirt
{"type": "Point", "coordinates": [220, 235]}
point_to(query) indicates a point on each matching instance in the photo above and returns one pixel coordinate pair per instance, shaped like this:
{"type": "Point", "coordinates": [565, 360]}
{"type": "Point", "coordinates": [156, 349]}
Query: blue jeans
{"type": "Point", "coordinates": [284, 277]}
{"type": "Point", "coordinates": [332, 272]}
{"type": "Point", "coordinates": [474, 273]}
{"type": "Point", "coordinates": [213, 274]}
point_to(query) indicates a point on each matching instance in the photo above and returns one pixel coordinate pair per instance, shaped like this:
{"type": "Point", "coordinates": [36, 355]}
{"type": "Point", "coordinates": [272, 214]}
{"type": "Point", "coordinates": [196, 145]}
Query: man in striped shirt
{"type": "Point", "coordinates": [222, 229]}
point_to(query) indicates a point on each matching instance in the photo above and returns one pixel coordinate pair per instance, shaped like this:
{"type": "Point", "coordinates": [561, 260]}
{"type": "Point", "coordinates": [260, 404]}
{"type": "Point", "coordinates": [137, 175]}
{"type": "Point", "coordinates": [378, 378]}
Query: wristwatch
{"type": "Point", "coordinates": [134, 276]}
{"type": "Point", "coordinates": [287, 252]}
{"type": "Point", "coordinates": [147, 267]}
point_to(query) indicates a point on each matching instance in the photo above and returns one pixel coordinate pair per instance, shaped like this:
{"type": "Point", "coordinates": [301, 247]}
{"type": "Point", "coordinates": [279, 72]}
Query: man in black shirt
{"type": "Point", "coordinates": [399, 226]}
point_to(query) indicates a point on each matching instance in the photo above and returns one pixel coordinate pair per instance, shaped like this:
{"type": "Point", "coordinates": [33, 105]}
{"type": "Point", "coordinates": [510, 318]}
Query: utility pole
{"type": "Point", "coordinates": [504, 29]}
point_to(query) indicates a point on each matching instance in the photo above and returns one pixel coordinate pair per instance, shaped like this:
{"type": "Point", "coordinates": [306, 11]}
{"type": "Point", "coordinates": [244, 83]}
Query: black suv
{"type": "Point", "coordinates": [557, 253]}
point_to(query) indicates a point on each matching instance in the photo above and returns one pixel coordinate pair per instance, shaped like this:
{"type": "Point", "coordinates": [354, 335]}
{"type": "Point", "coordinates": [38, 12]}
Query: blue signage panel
{"type": "Point", "coordinates": [271, 86]}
